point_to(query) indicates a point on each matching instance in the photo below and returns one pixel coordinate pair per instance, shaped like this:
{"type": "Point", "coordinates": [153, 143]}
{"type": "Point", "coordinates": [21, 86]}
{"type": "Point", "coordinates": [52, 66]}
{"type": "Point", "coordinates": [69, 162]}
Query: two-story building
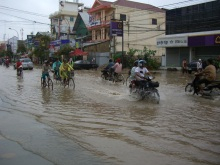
{"type": "Point", "coordinates": [141, 25]}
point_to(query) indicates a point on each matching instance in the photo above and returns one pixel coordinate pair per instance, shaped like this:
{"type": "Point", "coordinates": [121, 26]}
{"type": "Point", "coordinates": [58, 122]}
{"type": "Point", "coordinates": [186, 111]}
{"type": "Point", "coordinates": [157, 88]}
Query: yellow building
{"type": "Point", "coordinates": [143, 24]}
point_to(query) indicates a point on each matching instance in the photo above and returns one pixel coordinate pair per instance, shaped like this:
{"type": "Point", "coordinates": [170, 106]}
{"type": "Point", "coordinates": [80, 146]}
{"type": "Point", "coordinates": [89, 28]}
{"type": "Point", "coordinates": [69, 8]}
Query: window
{"type": "Point", "coordinates": [154, 21]}
{"type": "Point", "coordinates": [71, 19]}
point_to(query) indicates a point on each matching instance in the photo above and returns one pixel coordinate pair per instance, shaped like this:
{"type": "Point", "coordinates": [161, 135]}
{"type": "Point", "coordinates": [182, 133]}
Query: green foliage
{"type": "Point", "coordinates": [130, 57]}
{"type": "Point", "coordinates": [145, 54]}
{"type": "Point", "coordinates": [42, 50]}
{"type": "Point", "coordinates": [21, 48]}
{"type": "Point", "coordinates": [64, 50]}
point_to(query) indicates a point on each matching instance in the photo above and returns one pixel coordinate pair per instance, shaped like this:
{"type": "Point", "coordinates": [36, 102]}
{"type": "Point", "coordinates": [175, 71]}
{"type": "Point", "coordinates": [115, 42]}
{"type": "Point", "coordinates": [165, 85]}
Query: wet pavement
{"type": "Point", "coordinates": [101, 123]}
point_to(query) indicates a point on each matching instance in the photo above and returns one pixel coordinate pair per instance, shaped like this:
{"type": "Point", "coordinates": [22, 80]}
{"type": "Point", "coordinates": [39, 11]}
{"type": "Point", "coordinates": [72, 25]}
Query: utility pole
{"type": "Point", "coordinates": [21, 33]}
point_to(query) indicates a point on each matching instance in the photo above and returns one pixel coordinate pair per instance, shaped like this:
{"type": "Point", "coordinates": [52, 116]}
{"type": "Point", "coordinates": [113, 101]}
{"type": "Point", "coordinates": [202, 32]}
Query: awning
{"type": "Point", "coordinates": [78, 52]}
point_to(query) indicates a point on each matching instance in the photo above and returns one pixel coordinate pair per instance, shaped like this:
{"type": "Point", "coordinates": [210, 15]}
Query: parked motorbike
{"type": "Point", "coordinates": [146, 91]}
{"type": "Point", "coordinates": [212, 89]}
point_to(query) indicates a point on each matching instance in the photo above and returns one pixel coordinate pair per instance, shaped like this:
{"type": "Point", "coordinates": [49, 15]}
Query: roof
{"type": "Point", "coordinates": [85, 17]}
{"type": "Point", "coordinates": [138, 5]}
{"type": "Point", "coordinates": [43, 33]}
{"type": "Point", "coordinates": [99, 4]}
{"type": "Point", "coordinates": [106, 2]}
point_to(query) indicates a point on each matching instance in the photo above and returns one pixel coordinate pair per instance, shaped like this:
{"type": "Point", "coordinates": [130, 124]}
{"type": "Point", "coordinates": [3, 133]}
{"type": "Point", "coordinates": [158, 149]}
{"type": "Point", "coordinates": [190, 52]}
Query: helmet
{"type": "Point", "coordinates": [136, 63]}
{"type": "Point", "coordinates": [141, 63]}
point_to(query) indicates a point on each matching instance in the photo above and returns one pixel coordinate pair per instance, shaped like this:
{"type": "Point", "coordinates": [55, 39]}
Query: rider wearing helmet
{"type": "Point", "coordinates": [140, 72]}
{"type": "Point", "coordinates": [45, 69]}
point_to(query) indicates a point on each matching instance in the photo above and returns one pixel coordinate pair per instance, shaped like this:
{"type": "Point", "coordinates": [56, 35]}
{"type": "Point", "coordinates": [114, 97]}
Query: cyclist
{"type": "Point", "coordinates": [140, 73]}
{"type": "Point", "coordinates": [56, 66]}
{"type": "Point", "coordinates": [45, 69]}
{"type": "Point", "coordinates": [65, 70]}
{"type": "Point", "coordinates": [19, 67]}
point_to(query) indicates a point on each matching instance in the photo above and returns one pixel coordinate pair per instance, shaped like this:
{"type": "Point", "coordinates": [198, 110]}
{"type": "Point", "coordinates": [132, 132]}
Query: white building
{"type": "Point", "coordinates": [14, 44]}
{"type": "Point", "coordinates": [62, 21]}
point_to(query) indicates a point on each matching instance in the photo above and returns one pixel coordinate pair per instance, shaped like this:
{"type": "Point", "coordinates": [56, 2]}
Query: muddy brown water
{"type": "Point", "coordinates": [104, 120]}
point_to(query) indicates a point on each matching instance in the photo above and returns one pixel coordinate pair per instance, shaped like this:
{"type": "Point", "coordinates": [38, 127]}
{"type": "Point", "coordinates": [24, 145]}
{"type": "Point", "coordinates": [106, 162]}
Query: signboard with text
{"type": "Point", "coordinates": [172, 42]}
{"type": "Point", "coordinates": [116, 28]}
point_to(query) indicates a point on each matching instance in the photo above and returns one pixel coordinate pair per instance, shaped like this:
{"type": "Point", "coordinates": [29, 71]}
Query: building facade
{"type": "Point", "coordinates": [62, 21]}
{"type": "Point", "coordinates": [192, 32]}
{"type": "Point", "coordinates": [141, 25]}
{"type": "Point", "coordinates": [13, 42]}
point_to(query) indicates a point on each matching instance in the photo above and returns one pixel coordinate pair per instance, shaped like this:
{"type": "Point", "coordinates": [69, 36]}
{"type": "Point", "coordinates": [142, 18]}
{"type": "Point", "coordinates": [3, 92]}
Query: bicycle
{"type": "Point", "coordinates": [69, 81]}
{"type": "Point", "coordinates": [47, 82]}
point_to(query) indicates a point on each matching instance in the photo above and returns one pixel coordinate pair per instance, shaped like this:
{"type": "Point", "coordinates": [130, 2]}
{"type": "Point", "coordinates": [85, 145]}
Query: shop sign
{"type": "Point", "coordinates": [208, 40]}
{"type": "Point", "coordinates": [116, 28]}
{"type": "Point", "coordinates": [172, 42]}
{"type": "Point", "coordinates": [217, 39]}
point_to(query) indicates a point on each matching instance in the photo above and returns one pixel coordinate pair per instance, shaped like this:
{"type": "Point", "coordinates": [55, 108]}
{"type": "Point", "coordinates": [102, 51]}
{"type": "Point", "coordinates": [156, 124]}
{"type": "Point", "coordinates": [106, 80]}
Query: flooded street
{"type": "Point", "coordinates": [100, 123]}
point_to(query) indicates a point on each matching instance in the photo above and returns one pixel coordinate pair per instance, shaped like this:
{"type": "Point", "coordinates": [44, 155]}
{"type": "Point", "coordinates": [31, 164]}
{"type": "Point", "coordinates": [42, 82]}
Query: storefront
{"type": "Point", "coordinates": [190, 46]}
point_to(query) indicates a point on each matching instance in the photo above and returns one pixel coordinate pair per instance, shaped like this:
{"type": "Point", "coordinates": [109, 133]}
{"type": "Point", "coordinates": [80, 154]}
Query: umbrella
{"type": "Point", "coordinates": [78, 52]}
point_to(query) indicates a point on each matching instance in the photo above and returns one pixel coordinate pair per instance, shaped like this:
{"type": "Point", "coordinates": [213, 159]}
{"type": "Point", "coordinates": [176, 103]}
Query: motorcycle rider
{"type": "Point", "coordinates": [140, 73]}
{"type": "Point", "coordinates": [107, 69]}
{"type": "Point", "coordinates": [132, 74]}
{"type": "Point", "coordinates": [209, 74]}
{"type": "Point", "coordinates": [19, 67]}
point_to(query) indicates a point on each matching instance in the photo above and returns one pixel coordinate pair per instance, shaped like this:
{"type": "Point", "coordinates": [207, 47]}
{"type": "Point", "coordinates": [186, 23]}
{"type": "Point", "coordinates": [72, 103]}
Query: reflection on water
{"type": "Point", "coordinates": [102, 118]}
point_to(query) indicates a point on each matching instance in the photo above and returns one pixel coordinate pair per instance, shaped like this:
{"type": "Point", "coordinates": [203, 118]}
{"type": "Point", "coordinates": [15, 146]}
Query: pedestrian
{"type": "Point", "coordinates": [184, 66]}
{"type": "Point", "coordinates": [199, 65]}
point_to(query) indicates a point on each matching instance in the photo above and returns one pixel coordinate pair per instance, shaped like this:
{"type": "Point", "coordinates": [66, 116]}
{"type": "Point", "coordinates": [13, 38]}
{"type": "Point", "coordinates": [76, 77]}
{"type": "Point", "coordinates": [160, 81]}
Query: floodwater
{"type": "Point", "coordinates": [100, 123]}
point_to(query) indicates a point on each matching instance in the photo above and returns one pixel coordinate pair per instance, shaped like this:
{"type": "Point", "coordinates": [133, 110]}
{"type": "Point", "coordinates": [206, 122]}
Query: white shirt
{"type": "Point", "coordinates": [141, 71]}
{"type": "Point", "coordinates": [199, 65]}
{"type": "Point", "coordinates": [132, 76]}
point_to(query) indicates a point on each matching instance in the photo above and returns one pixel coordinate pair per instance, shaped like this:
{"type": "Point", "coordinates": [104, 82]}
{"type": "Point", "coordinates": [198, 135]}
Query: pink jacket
{"type": "Point", "coordinates": [118, 67]}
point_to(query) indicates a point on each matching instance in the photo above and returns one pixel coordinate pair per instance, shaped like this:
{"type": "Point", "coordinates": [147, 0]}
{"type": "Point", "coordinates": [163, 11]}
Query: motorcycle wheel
{"type": "Point", "coordinates": [215, 92]}
{"type": "Point", "coordinates": [189, 89]}
{"type": "Point", "coordinates": [155, 96]}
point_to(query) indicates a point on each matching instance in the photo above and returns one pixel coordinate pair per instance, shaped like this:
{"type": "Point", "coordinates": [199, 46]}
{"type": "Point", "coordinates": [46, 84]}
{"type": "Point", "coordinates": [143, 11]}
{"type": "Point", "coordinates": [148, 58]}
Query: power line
{"type": "Point", "coordinates": [22, 11]}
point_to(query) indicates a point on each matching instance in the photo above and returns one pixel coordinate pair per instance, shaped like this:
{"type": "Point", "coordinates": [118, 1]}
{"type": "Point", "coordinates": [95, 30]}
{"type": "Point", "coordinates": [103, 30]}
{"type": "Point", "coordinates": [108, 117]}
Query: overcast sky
{"type": "Point", "coordinates": [10, 18]}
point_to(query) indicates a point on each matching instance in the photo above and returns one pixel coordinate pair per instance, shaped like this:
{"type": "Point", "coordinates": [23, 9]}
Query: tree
{"type": "Point", "coordinates": [21, 48]}
{"type": "Point", "coordinates": [130, 58]}
{"type": "Point", "coordinates": [64, 50]}
{"type": "Point", "coordinates": [41, 51]}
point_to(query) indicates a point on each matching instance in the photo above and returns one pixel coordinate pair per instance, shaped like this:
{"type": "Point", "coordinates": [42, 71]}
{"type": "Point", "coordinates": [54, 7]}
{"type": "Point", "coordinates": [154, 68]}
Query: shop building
{"type": "Point", "coordinates": [192, 32]}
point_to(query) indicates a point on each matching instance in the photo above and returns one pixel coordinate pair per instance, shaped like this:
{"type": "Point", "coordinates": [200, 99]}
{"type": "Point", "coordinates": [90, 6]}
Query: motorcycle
{"type": "Point", "coordinates": [106, 75]}
{"type": "Point", "coordinates": [114, 77]}
{"type": "Point", "coordinates": [146, 91]}
{"type": "Point", "coordinates": [212, 89]}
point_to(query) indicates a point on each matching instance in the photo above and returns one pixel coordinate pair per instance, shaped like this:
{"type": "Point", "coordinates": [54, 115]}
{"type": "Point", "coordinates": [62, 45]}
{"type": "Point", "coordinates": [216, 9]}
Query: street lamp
{"type": "Point", "coordinates": [16, 31]}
